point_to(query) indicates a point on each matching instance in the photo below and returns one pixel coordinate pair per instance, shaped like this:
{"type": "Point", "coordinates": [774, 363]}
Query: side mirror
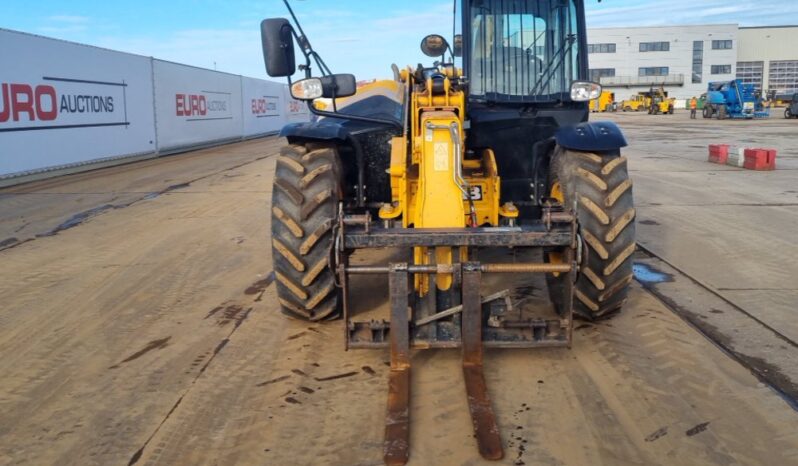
{"type": "Point", "coordinates": [458, 45]}
{"type": "Point", "coordinates": [278, 47]}
{"type": "Point", "coordinates": [434, 45]}
{"type": "Point", "coordinates": [338, 85]}
{"type": "Point", "coordinates": [334, 85]}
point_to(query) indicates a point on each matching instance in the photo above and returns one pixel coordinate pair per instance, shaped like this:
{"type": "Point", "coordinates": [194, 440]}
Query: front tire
{"type": "Point", "coordinates": [787, 113]}
{"type": "Point", "coordinates": [601, 188]}
{"type": "Point", "coordinates": [305, 195]}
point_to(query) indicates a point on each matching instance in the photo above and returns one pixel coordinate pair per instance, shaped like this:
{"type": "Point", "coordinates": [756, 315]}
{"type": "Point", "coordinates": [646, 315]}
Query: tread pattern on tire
{"type": "Point", "coordinates": [304, 203]}
{"type": "Point", "coordinates": [606, 216]}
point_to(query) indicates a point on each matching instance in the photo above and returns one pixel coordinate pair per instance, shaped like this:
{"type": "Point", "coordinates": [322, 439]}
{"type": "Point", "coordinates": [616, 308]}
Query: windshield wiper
{"type": "Point", "coordinates": [555, 62]}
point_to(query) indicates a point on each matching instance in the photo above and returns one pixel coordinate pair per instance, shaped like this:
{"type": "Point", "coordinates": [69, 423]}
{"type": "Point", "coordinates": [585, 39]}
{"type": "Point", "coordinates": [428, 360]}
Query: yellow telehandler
{"type": "Point", "coordinates": [447, 165]}
{"type": "Point", "coordinates": [660, 102]}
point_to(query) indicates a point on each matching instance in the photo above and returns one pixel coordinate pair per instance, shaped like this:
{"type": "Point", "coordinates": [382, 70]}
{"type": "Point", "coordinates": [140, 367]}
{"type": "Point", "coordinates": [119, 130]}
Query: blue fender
{"type": "Point", "coordinates": [592, 136]}
{"type": "Point", "coordinates": [315, 130]}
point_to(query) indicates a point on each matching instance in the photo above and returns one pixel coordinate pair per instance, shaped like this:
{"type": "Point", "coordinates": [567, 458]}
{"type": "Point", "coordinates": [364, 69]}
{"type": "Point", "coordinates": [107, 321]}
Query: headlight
{"type": "Point", "coordinates": [582, 91]}
{"type": "Point", "coordinates": [307, 89]}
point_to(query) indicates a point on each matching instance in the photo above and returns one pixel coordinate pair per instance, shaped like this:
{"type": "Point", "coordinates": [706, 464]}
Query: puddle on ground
{"type": "Point", "coordinates": [78, 219]}
{"type": "Point", "coordinates": [646, 274]}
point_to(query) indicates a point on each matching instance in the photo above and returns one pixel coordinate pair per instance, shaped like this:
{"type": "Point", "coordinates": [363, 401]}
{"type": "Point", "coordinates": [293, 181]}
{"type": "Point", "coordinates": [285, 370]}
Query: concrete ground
{"type": "Point", "coordinates": [139, 325]}
{"type": "Point", "coordinates": [730, 230]}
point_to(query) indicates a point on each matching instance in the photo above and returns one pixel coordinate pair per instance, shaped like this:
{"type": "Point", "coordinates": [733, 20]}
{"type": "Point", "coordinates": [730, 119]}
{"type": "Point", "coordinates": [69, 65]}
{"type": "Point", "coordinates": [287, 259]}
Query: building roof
{"type": "Point", "coordinates": [769, 27]}
{"type": "Point", "coordinates": [670, 26]}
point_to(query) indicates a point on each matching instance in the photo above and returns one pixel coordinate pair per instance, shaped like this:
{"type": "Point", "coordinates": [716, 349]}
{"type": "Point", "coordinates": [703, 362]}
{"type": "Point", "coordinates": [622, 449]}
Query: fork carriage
{"type": "Point", "coordinates": [480, 321]}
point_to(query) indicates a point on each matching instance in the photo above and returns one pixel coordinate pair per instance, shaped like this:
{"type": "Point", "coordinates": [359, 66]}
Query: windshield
{"type": "Point", "coordinates": [522, 50]}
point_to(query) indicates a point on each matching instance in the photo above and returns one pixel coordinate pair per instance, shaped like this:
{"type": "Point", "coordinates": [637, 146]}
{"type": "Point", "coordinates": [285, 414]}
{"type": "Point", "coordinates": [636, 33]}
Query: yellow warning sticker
{"type": "Point", "coordinates": [441, 156]}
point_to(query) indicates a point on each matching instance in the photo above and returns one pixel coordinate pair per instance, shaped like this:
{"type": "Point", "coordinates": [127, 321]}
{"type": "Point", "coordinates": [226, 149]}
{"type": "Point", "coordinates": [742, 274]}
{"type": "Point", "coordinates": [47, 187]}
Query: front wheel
{"type": "Point", "coordinates": [600, 187]}
{"type": "Point", "coordinates": [305, 195]}
{"type": "Point", "coordinates": [787, 113]}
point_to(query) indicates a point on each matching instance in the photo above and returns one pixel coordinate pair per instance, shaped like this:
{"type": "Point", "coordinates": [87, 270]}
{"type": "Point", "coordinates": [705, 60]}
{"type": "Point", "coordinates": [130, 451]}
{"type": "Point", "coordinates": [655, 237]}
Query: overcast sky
{"type": "Point", "coordinates": [357, 36]}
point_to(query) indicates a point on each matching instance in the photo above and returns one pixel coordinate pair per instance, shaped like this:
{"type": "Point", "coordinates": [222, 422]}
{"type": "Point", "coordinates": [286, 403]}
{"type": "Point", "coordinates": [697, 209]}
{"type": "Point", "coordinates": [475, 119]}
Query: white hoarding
{"type": "Point", "coordinates": [194, 106]}
{"type": "Point", "coordinates": [63, 103]}
{"type": "Point", "coordinates": [263, 103]}
{"type": "Point", "coordinates": [295, 111]}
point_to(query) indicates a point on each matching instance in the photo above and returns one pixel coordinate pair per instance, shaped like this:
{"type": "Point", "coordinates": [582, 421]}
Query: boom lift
{"type": "Point", "coordinates": [447, 164]}
{"type": "Point", "coordinates": [733, 99]}
{"type": "Point", "coordinates": [792, 108]}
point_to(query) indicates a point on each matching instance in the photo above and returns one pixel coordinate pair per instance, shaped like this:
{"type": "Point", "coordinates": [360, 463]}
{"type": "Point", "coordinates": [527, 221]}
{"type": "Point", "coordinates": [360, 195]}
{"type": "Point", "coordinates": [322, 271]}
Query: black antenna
{"type": "Point", "coordinates": [299, 26]}
{"type": "Point", "coordinates": [304, 42]}
{"type": "Point", "coordinates": [454, 26]}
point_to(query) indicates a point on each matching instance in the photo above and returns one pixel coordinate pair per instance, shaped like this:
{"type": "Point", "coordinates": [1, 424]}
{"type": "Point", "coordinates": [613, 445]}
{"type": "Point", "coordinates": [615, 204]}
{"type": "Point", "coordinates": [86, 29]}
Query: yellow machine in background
{"type": "Point", "coordinates": [660, 102]}
{"type": "Point", "coordinates": [605, 103]}
{"type": "Point", "coordinates": [636, 103]}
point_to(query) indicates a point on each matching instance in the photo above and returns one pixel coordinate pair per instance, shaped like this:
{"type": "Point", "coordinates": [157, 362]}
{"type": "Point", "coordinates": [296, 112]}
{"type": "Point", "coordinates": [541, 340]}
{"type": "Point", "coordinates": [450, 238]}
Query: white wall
{"type": "Point", "coordinates": [768, 44]}
{"type": "Point", "coordinates": [296, 111]}
{"type": "Point", "coordinates": [628, 59]}
{"type": "Point", "coordinates": [70, 106]}
{"type": "Point", "coordinates": [264, 106]}
{"type": "Point", "coordinates": [195, 106]}
{"type": "Point", "coordinates": [87, 103]}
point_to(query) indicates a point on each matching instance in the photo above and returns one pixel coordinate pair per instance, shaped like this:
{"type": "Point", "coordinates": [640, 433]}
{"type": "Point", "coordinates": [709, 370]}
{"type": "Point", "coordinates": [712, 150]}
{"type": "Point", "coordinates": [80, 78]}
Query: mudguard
{"type": "Point", "coordinates": [380, 99]}
{"type": "Point", "coordinates": [314, 130]}
{"type": "Point", "coordinates": [599, 136]}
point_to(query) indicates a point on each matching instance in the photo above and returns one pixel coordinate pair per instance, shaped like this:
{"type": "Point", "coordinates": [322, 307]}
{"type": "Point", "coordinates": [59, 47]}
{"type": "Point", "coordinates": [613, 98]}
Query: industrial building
{"type": "Point", "coordinates": [767, 57]}
{"type": "Point", "coordinates": [684, 59]}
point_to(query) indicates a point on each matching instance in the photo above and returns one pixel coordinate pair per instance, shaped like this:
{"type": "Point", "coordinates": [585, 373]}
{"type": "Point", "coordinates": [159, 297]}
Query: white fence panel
{"type": "Point", "coordinates": [296, 111]}
{"type": "Point", "coordinates": [264, 104]}
{"type": "Point", "coordinates": [64, 104]}
{"type": "Point", "coordinates": [194, 106]}
{"type": "Point", "coordinates": [67, 105]}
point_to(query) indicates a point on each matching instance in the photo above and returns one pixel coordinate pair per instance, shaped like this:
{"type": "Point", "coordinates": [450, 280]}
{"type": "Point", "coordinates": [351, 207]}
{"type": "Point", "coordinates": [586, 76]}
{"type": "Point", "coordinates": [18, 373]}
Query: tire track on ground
{"type": "Point", "coordinates": [713, 316]}
{"type": "Point", "coordinates": [82, 217]}
{"type": "Point", "coordinates": [238, 318]}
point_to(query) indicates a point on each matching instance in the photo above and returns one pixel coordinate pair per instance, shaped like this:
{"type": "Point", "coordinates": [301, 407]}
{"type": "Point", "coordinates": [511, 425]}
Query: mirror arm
{"type": "Point", "coordinates": [299, 26]}
{"type": "Point", "coordinates": [335, 104]}
{"type": "Point", "coordinates": [298, 38]}
{"type": "Point", "coordinates": [325, 70]}
{"type": "Point", "coordinates": [307, 49]}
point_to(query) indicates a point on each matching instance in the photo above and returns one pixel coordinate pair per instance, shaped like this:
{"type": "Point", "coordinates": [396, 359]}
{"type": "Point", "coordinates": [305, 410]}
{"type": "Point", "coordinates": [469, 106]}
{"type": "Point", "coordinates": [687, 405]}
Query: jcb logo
{"type": "Point", "coordinates": [37, 103]}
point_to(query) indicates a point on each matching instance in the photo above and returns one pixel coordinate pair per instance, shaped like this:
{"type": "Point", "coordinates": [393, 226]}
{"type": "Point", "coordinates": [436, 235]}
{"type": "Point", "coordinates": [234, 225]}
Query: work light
{"type": "Point", "coordinates": [308, 89]}
{"type": "Point", "coordinates": [582, 91]}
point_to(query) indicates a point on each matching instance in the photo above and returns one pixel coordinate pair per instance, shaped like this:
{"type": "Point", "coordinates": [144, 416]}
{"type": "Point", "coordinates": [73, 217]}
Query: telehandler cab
{"type": "Point", "coordinates": [446, 162]}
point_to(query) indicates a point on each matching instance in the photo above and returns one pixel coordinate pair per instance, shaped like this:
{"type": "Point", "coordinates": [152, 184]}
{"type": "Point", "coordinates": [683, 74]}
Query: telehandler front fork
{"type": "Point", "coordinates": [482, 416]}
{"type": "Point", "coordinates": [397, 428]}
{"type": "Point", "coordinates": [461, 326]}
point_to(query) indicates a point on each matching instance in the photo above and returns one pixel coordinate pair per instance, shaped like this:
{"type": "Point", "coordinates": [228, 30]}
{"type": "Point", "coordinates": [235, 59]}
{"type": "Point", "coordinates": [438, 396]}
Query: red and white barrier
{"type": "Point", "coordinates": [751, 159]}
